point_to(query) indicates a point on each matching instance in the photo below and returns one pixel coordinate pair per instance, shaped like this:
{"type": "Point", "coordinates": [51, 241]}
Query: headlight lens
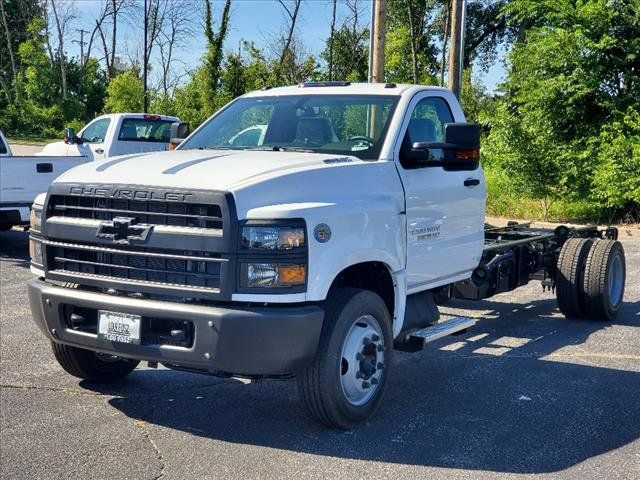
{"type": "Point", "coordinates": [35, 220]}
{"type": "Point", "coordinates": [35, 251]}
{"type": "Point", "coordinates": [273, 238]}
{"type": "Point", "coordinates": [261, 275]}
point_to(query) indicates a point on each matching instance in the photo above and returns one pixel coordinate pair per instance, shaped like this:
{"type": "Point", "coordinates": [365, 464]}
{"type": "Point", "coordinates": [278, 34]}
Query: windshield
{"type": "Point", "coordinates": [341, 124]}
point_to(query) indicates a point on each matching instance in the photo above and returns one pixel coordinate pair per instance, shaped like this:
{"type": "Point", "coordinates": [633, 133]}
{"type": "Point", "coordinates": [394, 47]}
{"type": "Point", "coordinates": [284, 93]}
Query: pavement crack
{"type": "Point", "coordinates": [70, 391]}
{"type": "Point", "coordinates": [143, 426]}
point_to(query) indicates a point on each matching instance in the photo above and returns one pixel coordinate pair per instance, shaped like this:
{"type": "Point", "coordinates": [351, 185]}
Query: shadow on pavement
{"type": "Point", "coordinates": [14, 248]}
{"type": "Point", "coordinates": [495, 398]}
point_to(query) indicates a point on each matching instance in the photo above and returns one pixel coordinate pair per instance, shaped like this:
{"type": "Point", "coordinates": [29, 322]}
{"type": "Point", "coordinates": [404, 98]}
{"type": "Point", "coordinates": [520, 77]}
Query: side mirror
{"type": "Point", "coordinates": [461, 148]}
{"type": "Point", "coordinates": [69, 135]}
{"type": "Point", "coordinates": [179, 131]}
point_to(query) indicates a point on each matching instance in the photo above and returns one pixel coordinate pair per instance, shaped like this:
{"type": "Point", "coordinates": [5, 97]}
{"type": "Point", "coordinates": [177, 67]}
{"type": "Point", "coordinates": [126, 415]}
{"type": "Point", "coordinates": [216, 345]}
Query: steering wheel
{"type": "Point", "coordinates": [362, 138]}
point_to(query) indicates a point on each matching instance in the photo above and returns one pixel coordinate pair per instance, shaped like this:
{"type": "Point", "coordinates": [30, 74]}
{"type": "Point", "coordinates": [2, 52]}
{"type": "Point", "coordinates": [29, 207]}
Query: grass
{"type": "Point", "coordinates": [31, 140]}
{"type": "Point", "coordinates": [502, 201]}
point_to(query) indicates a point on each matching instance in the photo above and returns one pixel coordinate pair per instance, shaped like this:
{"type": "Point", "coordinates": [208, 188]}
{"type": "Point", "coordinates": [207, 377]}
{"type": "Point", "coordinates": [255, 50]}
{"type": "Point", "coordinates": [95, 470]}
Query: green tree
{"type": "Point", "coordinates": [568, 124]}
{"type": "Point", "coordinates": [15, 17]}
{"type": "Point", "coordinates": [125, 93]}
{"type": "Point", "coordinates": [348, 52]}
{"type": "Point", "coordinates": [209, 74]}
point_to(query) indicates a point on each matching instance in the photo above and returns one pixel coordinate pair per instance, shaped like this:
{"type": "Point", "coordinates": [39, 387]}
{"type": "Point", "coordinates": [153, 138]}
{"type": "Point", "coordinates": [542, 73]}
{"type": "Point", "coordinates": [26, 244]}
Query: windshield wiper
{"type": "Point", "coordinates": [217, 147]}
{"type": "Point", "coordinates": [277, 148]}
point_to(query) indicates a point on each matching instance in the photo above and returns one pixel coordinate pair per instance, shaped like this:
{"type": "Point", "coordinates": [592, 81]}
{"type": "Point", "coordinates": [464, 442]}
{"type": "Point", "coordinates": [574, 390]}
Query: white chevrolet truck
{"type": "Point", "coordinates": [304, 232]}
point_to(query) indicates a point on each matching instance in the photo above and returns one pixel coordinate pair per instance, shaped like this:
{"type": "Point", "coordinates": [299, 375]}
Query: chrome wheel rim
{"type": "Point", "coordinates": [362, 360]}
{"type": "Point", "coordinates": [616, 280]}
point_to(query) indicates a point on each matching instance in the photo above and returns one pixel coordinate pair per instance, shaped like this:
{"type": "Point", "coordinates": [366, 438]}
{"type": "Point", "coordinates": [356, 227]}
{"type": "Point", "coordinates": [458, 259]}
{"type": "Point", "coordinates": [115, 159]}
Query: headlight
{"type": "Point", "coordinates": [35, 220]}
{"type": "Point", "coordinates": [260, 275]}
{"type": "Point", "coordinates": [272, 238]}
{"type": "Point", "coordinates": [35, 251]}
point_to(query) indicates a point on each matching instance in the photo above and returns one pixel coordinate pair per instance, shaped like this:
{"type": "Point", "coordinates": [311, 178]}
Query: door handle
{"type": "Point", "coordinates": [100, 150]}
{"type": "Point", "coordinates": [471, 182]}
{"type": "Point", "coordinates": [44, 167]}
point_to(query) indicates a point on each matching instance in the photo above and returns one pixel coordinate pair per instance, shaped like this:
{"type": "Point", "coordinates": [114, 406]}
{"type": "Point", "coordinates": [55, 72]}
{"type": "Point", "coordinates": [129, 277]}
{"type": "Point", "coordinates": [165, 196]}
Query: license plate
{"type": "Point", "coordinates": [119, 327]}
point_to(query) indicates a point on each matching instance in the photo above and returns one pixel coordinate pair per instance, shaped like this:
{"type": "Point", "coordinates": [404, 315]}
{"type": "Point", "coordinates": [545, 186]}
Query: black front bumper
{"type": "Point", "coordinates": [233, 340]}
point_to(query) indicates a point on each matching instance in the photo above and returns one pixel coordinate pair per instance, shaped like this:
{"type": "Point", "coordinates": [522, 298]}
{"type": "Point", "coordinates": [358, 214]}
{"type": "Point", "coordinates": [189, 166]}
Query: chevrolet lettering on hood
{"type": "Point", "coordinates": [130, 194]}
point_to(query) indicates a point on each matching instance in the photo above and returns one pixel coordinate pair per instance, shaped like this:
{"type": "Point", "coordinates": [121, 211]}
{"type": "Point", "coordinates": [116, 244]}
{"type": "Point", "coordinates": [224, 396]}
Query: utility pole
{"type": "Point", "coordinates": [81, 42]}
{"type": "Point", "coordinates": [145, 59]}
{"type": "Point", "coordinates": [457, 50]}
{"type": "Point", "coordinates": [377, 40]}
{"type": "Point", "coordinates": [463, 30]}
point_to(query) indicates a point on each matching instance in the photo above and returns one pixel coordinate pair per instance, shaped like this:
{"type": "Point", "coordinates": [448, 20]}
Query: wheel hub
{"type": "Point", "coordinates": [616, 280]}
{"type": "Point", "coordinates": [362, 360]}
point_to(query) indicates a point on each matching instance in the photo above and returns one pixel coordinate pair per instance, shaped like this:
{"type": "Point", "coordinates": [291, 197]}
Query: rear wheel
{"type": "Point", "coordinates": [89, 365]}
{"type": "Point", "coordinates": [604, 280]}
{"type": "Point", "coordinates": [569, 277]}
{"type": "Point", "coordinates": [344, 385]}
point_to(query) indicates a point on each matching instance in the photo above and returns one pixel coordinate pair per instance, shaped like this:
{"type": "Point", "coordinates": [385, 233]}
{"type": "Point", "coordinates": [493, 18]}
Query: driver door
{"type": "Point", "coordinates": [94, 138]}
{"type": "Point", "coordinates": [445, 212]}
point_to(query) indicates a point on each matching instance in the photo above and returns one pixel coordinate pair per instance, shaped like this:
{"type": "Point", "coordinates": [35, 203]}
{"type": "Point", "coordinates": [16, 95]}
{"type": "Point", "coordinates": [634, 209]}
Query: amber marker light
{"type": "Point", "coordinates": [467, 154]}
{"type": "Point", "coordinates": [292, 274]}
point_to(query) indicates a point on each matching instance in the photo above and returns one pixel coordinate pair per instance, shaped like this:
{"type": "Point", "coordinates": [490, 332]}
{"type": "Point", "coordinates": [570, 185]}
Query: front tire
{"type": "Point", "coordinates": [93, 366]}
{"type": "Point", "coordinates": [344, 385]}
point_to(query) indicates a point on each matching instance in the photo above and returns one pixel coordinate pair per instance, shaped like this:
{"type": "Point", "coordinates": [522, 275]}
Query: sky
{"type": "Point", "coordinates": [252, 20]}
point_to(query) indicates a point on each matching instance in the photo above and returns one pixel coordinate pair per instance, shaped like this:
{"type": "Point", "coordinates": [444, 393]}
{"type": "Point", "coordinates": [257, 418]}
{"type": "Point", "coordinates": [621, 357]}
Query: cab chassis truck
{"type": "Point", "coordinates": [304, 231]}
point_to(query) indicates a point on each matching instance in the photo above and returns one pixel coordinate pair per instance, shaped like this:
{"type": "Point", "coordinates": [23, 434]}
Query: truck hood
{"type": "Point", "coordinates": [60, 149]}
{"type": "Point", "coordinates": [222, 170]}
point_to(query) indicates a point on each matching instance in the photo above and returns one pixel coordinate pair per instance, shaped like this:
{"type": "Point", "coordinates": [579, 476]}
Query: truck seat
{"type": "Point", "coordinates": [315, 131]}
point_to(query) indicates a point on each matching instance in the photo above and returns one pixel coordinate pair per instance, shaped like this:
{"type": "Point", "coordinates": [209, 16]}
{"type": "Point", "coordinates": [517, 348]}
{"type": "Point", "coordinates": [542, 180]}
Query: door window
{"type": "Point", "coordinates": [427, 124]}
{"type": "Point", "coordinates": [145, 130]}
{"type": "Point", "coordinates": [96, 131]}
{"type": "Point", "coordinates": [3, 147]}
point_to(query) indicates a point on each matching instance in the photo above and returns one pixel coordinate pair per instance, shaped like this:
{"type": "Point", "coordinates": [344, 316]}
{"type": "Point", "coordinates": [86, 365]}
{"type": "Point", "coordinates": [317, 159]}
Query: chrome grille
{"type": "Point", "coordinates": [151, 212]}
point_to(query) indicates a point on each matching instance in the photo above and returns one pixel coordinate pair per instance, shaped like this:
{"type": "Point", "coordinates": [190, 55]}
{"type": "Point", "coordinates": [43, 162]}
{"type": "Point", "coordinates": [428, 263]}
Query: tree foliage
{"type": "Point", "coordinates": [124, 93]}
{"type": "Point", "coordinates": [568, 124]}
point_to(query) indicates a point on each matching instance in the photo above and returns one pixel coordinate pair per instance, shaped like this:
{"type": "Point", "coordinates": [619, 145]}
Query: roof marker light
{"type": "Point", "coordinates": [333, 83]}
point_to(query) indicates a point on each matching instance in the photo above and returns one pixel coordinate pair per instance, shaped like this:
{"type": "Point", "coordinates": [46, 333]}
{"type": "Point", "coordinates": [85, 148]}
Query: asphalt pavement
{"type": "Point", "coordinates": [523, 394]}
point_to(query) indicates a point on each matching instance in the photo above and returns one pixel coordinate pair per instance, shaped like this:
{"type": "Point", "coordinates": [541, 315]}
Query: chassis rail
{"type": "Point", "coordinates": [517, 253]}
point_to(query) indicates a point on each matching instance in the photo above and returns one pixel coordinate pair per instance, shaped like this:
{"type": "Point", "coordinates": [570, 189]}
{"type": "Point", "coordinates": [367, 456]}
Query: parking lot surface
{"type": "Point", "coordinates": [524, 393]}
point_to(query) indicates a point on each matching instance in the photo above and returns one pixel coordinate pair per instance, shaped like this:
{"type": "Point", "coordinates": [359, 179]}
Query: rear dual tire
{"type": "Point", "coordinates": [590, 279]}
{"type": "Point", "coordinates": [604, 279]}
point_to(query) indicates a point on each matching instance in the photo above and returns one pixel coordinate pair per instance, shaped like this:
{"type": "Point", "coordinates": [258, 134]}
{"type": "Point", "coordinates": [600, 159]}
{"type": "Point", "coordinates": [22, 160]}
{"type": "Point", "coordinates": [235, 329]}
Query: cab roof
{"type": "Point", "coordinates": [342, 88]}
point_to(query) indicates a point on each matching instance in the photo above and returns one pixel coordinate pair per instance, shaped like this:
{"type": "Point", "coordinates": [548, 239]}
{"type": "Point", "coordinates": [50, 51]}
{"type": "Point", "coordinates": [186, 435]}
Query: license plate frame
{"type": "Point", "coordinates": [119, 327]}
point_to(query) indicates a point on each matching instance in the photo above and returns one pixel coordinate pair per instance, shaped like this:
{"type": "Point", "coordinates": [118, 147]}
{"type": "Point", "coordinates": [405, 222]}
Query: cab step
{"type": "Point", "coordinates": [416, 341]}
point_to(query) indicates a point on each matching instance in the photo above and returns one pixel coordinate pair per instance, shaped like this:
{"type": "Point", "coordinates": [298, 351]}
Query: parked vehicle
{"type": "Point", "coordinates": [116, 134]}
{"type": "Point", "coordinates": [22, 178]}
{"type": "Point", "coordinates": [109, 135]}
{"type": "Point", "coordinates": [313, 253]}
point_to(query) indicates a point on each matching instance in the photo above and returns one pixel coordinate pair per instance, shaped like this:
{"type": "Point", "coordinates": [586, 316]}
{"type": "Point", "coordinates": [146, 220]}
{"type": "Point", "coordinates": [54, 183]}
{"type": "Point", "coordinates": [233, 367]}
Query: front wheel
{"type": "Point", "coordinates": [344, 385]}
{"type": "Point", "coordinates": [93, 366]}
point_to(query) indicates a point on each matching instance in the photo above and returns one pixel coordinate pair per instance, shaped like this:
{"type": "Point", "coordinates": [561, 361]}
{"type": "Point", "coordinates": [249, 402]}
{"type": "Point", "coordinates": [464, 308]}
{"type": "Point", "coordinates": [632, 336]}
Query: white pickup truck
{"type": "Point", "coordinates": [312, 246]}
{"type": "Point", "coordinates": [24, 177]}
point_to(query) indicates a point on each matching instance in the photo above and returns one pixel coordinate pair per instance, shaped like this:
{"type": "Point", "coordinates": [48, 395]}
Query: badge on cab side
{"type": "Point", "coordinates": [322, 233]}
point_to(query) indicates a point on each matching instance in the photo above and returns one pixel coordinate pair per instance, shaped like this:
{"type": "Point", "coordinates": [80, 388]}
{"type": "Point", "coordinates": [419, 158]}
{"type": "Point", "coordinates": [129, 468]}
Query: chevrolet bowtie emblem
{"type": "Point", "coordinates": [123, 230]}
